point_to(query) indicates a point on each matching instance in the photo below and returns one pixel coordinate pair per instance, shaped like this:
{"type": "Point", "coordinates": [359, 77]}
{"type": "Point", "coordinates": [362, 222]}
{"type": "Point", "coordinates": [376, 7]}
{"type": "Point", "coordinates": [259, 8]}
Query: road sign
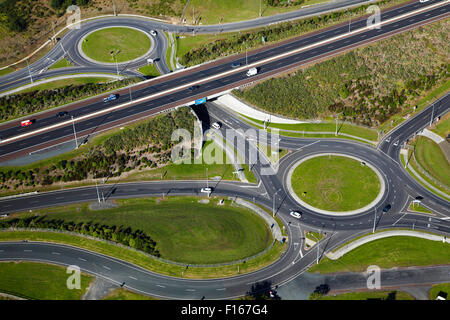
{"type": "Point", "coordinates": [200, 101]}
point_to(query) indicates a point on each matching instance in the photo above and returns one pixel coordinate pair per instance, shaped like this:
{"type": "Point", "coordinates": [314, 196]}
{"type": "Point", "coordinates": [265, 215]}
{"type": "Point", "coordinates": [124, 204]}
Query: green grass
{"type": "Point", "coordinates": [129, 43]}
{"type": "Point", "coordinates": [330, 184]}
{"type": "Point", "coordinates": [185, 231]}
{"type": "Point", "coordinates": [418, 208]}
{"type": "Point", "coordinates": [140, 259]}
{"type": "Point", "coordinates": [314, 236]}
{"type": "Point", "coordinates": [63, 63]}
{"type": "Point", "coordinates": [329, 126]}
{"type": "Point", "coordinates": [169, 50]}
{"type": "Point", "coordinates": [66, 82]}
{"type": "Point", "coordinates": [149, 71]}
{"type": "Point", "coordinates": [431, 158]}
{"type": "Point", "coordinates": [443, 127]}
{"type": "Point", "coordinates": [32, 280]}
{"type": "Point", "coordinates": [6, 71]}
{"type": "Point", "coordinates": [211, 11]}
{"type": "Point", "coordinates": [366, 295]}
{"type": "Point", "coordinates": [123, 294]}
{"type": "Point", "coordinates": [434, 291]}
{"type": "Point", "coordinates": [397, 251]}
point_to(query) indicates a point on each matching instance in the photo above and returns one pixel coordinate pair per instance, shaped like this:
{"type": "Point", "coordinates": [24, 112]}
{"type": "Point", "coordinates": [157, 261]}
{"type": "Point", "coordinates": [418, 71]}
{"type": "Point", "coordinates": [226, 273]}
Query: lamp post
{"type": "Point", "coordinates": [273, 207]}
{"type": "Point", "coordinates": [74, 132]}
{"type": "Point", "coordinates": [432, 115]}
{"type": "Point", "coordinates": [29, 71]}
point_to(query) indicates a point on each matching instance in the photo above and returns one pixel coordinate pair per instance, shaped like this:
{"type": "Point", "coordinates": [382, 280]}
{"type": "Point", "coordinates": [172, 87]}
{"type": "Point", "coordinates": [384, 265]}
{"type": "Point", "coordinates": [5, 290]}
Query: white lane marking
{"type": "Point", "coordinates": [26, 250]}
{"type": "Point", "coordinates": [158, 285]}
{"type": "Point", "coordinates": [107, 268]}
{"type": "Point", "coordinates": [1, 250]}
{"type": "Point", "coordinates": [221, 289]}
{"type": "Point", "coordinates": [56, 253]}
{"type": "Point", "coordinates": [132, 277]}
{"type": "Point", "coordinates": [258, 63]}
{"type": "Point", "coordinates": [190, 290]}
{"type": "Point", "coordinates": [82, 259]}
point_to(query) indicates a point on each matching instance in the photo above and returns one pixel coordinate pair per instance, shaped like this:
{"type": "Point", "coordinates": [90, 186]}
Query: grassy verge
{"type": "Point", "coordinates": [366, 295]}
{"type": "Point", "coordinates": [126, 43]}
{"type": "Point", "coordinates": [6, 71]}
{"type": "Point", "coordinates": [185, 230]}
{"type": "Point", "coordinates": [431, 158]}
{"type": "Point", "coordinates": [439, 289]}
{"type": "Point", "coordinates": [443, 127]}
{"type": "Point", "coordinates": [140, 259]}
{"type": "Point", "coordinates": [149, 71]}
{"type": "Point", "coordinates": [169, 51]}
{"type": "Point", "coordinates": [32, 280]}
{"type": "Point", "coordinates": [418, 208]}
{"type": "Point", "coordinates": [66, 82]}
{"type": "Point", "coordinates": [123, 294]}
{"type": "Point", "coordinates": [62, 63]}
{"type": "Point", "coordinates": [329, 183]}
{"type": "Point", "coordinates": [314, 236]}
{"type": "Point", "coordinates": [397, 251]}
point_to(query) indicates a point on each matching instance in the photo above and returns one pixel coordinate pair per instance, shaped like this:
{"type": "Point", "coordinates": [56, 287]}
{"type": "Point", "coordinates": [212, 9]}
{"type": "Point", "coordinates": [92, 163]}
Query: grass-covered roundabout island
{"type": "Point", "coordinates": [335, 183]}
{"type": "Point", "coordinates": [121, 43]}
{"type": "Point", "coordinates": [185, 230]}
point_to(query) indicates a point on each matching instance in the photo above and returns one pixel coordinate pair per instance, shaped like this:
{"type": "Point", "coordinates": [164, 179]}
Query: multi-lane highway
{"type": "Point", "coordinates": [93, 115]}
{"type": "Point", "coordinates": [213, 78]}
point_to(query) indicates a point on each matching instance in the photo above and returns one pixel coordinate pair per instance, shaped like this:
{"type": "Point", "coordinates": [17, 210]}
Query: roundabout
{"type": "Point", "coordinates": [326, 183]}
{"type": "Point", "coordinates": [116, 44]}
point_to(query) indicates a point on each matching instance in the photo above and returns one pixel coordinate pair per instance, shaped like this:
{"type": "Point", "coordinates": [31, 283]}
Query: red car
{"type": "Point", "coordinates": [26, 123]}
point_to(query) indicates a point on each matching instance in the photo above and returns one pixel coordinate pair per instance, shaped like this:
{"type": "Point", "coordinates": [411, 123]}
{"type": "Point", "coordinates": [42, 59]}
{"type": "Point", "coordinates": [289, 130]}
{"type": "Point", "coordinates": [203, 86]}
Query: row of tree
{"type": "Point", "coordinates": [125, 235]}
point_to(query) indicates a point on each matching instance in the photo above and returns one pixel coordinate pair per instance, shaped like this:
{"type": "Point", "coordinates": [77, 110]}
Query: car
{"type": "Point", "coordinates": [153, 32]}
{"type": "Point", "coordinates": [216, 125]}
{"type": "Point", "coordinates": [252, 72]}
{"type": "Point", "coordinates": [422, 1]}
{"type": "Point", "coordinates": [192, 88]}
{"type": "Point", "coordinates": [26, 123]}
{"type": "Point", "coordinates": [296, 214]}
{"type": "Point", "coordinates": [62, 114]}
{"type": "Point", "coordinates": [207, 190]}
{"type": "Point", "coordinates": [111, 97]}
{"type": "Point", "coordinates": [387, 208]}
{"type": "Point", "coordinates": [235, 64]}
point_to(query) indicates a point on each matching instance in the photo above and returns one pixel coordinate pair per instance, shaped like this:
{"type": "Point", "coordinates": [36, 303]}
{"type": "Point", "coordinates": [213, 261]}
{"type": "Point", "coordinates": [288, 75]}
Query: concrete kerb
{"type": "Point", "coordinates": [331, 213]}
{"type": "Point", "coordinates": [380, 235]}
{"type": "Point", "coordinates": [81, 52]}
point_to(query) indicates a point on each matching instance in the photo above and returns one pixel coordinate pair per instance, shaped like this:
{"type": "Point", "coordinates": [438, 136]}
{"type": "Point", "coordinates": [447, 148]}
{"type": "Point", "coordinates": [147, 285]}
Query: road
{"type": "Point", "coordinates": [164, 93]}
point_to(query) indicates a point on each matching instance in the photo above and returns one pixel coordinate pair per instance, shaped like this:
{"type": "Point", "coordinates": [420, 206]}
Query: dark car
{"type": "Point", "coordinates": [387, 208]}
{"type": "Point", "coordinates": [235, 64]}
{"type": "Point", "coordinates": [62, 114]}
{"type": "Point", "coordinates": [192, 88]}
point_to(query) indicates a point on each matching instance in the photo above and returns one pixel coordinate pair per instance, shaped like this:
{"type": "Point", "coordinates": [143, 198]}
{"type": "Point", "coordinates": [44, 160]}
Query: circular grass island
{"type": "Point", "coordinates": [335, 183]}
{"type": "Point", "coordinates": [125, 43]}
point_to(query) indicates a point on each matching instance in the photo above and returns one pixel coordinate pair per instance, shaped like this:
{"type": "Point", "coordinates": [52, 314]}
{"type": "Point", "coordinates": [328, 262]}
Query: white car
{"type": "Point", "coordinates": [216, 125]}
{"type": "Point", "coordinates": [296, 214]}
{"type": "Point", "coordinates": [153, 32]}
{"type": "Point", "coordinates": [252, 72]}
{"type": "Point", "coordinates": [422, 1]}
{"type": "Point", "coordinates": [207, 190]}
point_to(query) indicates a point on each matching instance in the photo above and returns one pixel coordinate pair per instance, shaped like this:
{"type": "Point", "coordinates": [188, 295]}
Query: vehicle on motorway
{"type": "Point", "coordinates": [206, 190]}
{"type": "Point", "coordinates": [26, 123]}
{"type": "Point", "coordinates": [153, 32]}
{"type": "Point", "coordinates": [387, 208]}
{"type": "Point", "coordinates": [62, 114]}
{"type": "Point", "coordinates": [252, 72]}
{"type": "Point", "coordinates": [192, 88]}
{"type": "Point", "coordinates": [111, 97]}
{"type": "Point", "coordinates": [422, 1]}
{"type": "Point", "coordinates": [235, 64]}
{"type": "Point", "coordinates": [216, 125]}
{"type": "Point", "coordinates": [296, 214]}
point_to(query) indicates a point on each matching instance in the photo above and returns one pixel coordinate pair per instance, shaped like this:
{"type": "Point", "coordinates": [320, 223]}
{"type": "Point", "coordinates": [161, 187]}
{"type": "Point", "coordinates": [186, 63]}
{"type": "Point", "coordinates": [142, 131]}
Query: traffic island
{"type": "Point", "coordinates": [335, 184]}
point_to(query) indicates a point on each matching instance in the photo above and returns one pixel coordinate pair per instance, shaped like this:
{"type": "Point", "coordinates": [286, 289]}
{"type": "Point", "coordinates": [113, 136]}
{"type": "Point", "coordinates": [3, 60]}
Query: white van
{"type": "Point", "coordinates": [252, 72]}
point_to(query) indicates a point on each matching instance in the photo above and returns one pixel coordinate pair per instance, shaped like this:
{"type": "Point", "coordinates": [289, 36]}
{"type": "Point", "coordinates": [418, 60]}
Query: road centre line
{"type": "Point", "coordinates": [107, 110]}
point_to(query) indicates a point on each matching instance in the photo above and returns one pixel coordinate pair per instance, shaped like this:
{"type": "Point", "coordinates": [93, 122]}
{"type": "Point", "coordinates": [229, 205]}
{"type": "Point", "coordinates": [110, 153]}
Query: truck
{"type": "Point", "coordinates": [252, 72]}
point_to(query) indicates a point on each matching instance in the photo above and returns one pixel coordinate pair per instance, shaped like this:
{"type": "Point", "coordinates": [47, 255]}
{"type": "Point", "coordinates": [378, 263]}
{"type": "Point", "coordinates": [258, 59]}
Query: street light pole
{"type": "Point", "coordinates": [74, 133]}
{"type": "Point", "coordinates": [207, 178]}
{"type": "Point", "coordinates": [432, 115]}
{"type": "Point", "coordinates": [273, 206]}
{"type": "Point", "coordinates": [336, 125]}
{"type": "Point", "coordinates": [374, 220]}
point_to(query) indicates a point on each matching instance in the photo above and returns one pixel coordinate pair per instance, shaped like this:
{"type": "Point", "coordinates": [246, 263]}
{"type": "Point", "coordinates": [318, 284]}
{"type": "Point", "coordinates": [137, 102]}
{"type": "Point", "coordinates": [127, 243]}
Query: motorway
{"type": "Point", "coordinates": [162, 93]}
{"type": "Point", "coordinates": [67, 46]}
{"type": "Point", "coordinates": [400, 187]}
